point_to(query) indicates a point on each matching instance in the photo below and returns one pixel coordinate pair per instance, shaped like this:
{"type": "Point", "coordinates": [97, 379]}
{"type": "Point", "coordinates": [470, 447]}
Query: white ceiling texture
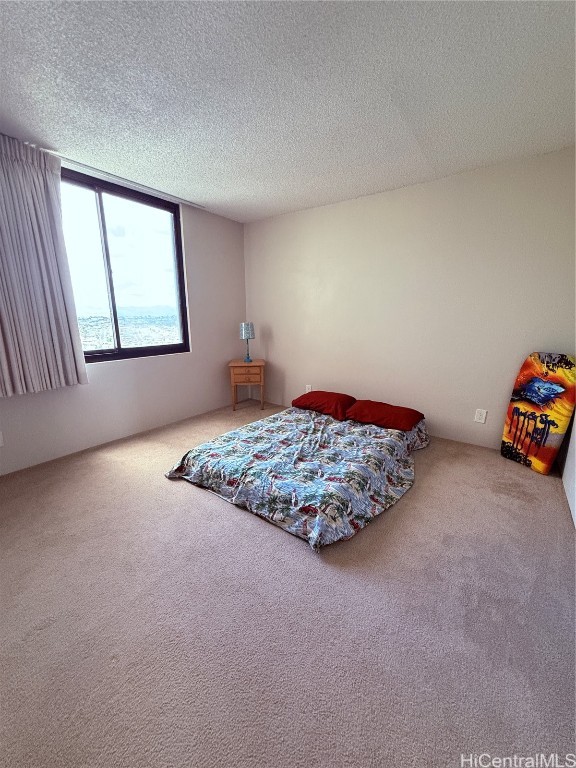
{"type": "Point", "coordinates": [251, 109]}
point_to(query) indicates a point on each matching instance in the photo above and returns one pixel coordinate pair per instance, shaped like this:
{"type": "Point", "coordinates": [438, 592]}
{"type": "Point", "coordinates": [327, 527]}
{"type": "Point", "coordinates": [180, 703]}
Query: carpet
{"type": "Point", "coordinates": [146, 623]}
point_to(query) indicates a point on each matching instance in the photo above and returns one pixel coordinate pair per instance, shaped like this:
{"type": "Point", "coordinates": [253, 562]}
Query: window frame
{"type": "Point", "coordinates": [125, 353]}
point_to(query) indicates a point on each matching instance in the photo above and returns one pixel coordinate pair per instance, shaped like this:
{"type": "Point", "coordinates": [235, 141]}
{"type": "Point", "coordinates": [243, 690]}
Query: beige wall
{"type": "Point", "coordinates": [428, 296]}
{"type": "Point", "coordinates": [128, 396]}
{"type": "Point", "coordinates": [569, 474]}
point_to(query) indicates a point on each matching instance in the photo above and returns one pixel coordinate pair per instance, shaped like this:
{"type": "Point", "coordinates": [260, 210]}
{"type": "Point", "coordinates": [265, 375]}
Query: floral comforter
{"type": "Point", "coordinates": [316, 477]}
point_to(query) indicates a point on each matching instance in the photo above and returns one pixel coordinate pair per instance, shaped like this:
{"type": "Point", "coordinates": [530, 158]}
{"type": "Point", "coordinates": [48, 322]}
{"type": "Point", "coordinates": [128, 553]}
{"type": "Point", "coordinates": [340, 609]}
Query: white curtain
{"type": "Point", "coordinates": [40, 344]}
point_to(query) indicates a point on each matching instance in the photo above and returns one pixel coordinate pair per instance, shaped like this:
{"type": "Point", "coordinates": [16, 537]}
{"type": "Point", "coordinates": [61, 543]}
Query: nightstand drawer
{"type": "Point", "coordinates": [251, 378]}
{"type": "Point", "coordinates": [245, 374]}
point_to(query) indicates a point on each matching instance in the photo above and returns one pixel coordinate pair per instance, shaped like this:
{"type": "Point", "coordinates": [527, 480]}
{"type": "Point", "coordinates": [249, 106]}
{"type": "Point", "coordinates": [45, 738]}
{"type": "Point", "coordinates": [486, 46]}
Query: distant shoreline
{"type": "Point", "coordinates": [145, 330]}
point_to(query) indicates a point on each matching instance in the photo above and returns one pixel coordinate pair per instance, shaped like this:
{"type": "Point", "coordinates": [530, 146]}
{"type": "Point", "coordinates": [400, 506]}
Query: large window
{"type": "Point", "coordinates": [125, 255]}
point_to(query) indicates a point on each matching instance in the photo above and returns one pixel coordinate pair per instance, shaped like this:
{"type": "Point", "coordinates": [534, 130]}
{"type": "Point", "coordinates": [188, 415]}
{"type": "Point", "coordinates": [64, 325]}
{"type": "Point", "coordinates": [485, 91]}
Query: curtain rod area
{"type": "Point", "coordinates": [74, 165]}
{"type": "Point", "coordinates": [67, 162]}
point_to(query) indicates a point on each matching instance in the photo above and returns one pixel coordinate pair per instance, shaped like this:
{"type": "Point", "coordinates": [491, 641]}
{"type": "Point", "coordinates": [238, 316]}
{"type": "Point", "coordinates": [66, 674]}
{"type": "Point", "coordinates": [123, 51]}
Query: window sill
{"type": "Point", "coordinates": [130, 354]}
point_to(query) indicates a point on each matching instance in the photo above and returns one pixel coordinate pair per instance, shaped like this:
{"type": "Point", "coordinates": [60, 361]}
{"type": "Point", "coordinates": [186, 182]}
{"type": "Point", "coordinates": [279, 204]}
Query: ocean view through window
{"type": "Point", "coordinates": [125, 255]}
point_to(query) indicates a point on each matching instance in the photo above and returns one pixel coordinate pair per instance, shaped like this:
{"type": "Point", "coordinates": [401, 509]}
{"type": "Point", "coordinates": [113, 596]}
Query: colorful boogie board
{"type": "Point", "coordinates": [540, 409]}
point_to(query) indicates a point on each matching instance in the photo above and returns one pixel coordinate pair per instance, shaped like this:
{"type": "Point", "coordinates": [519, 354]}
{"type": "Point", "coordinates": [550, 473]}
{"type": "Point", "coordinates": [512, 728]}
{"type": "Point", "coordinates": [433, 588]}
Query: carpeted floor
{"type": "Point", "coordinates": [147, 623]}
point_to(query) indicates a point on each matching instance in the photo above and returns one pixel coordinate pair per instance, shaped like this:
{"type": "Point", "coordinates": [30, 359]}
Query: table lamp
{"type": "Point", "coordinates": [247, 332]}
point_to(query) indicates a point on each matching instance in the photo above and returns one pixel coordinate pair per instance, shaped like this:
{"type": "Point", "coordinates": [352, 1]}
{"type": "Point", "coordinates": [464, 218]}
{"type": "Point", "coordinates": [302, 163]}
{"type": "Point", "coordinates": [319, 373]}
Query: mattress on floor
{"type": "Point", "coordinates": [315, 477]}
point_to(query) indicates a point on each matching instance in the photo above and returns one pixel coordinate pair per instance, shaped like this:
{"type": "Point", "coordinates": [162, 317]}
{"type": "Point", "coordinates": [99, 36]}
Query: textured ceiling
{"type": "Point", "coordinates": [254, 109]}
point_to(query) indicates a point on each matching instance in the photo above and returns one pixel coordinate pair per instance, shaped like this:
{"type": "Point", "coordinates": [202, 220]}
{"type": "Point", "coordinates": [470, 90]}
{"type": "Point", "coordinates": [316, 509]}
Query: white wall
{"type": "Point", "coordinates": [429, 296]}
{"type": "Point", "coordinates": [129, 396]}
{"type": "Point", "coordinates": [569, 474]}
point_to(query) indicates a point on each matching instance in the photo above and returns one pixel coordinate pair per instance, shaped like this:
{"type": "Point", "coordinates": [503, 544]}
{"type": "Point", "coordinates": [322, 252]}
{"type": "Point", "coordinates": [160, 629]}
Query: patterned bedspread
{"type": "Point", "coordinates": [316, 477]}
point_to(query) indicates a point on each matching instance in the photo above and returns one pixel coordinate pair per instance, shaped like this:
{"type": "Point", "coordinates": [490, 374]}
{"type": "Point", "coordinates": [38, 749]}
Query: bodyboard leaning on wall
{"type": "Point", "coordinates": [540, 410]}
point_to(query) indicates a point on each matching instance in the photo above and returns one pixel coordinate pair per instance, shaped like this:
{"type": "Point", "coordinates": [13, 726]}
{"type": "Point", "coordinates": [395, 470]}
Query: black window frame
{"type": "Point", "coordinates": [126, 353]}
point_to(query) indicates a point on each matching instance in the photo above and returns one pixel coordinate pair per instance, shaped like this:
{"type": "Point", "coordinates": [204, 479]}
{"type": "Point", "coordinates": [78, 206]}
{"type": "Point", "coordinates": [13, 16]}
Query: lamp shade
{"type": "Point", "coordinates": [247, 331]}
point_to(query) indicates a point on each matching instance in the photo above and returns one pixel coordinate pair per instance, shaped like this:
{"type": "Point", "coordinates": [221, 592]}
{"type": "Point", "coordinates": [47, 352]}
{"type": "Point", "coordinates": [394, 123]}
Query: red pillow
{"type": "Point", "coordinates": [384, 415]}
{"type": "Point", "coordinates": [331, 403]}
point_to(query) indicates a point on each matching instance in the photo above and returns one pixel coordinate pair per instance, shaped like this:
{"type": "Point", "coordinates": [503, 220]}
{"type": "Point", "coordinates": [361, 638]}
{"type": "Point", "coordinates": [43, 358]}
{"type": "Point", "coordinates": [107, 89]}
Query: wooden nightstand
{"type": "Point", "coordinates": [245, 374]}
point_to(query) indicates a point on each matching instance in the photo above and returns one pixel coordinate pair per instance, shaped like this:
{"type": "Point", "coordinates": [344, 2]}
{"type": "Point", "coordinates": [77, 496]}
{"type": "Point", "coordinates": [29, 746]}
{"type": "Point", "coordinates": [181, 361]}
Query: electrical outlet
{"type": "Point", "coordinates": [1, 439]}
{"type": "Point", "coordinates": [480, 416]}
{"type": "Point", "coordinates": [308, 387]}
